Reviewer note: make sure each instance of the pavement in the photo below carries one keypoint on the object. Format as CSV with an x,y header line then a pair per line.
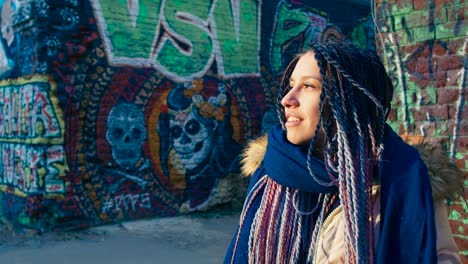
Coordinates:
x,y
190,239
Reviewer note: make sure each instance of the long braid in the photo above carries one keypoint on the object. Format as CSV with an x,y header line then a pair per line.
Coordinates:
x,y
317,227
337,111
284,228
363,187
272,236
259,243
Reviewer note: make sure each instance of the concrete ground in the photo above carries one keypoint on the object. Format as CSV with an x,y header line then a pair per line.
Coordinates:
x,y
185,239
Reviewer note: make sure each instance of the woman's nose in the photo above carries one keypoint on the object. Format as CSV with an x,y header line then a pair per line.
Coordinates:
x,y
290,99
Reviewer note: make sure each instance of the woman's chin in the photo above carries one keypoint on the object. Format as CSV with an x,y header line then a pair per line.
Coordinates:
x,y
298,140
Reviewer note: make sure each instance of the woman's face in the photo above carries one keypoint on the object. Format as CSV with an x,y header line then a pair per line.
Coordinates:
x,y
302,102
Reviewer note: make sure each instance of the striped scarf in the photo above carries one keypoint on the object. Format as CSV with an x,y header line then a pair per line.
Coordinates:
x,y
286,225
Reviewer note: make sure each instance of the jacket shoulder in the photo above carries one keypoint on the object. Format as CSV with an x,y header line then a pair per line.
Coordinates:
x,y
446,178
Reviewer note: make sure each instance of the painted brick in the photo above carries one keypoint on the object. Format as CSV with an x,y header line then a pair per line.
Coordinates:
x,y
452,110
447,96
422,65
438,3
422,34
426,17
426,128
413,97
444,128
420,4
402,7
428,95
392,115
449,62
461,163
455,46
415,64
439,112
450,125
441,79
452,29
383,10
398,37
456,13
399,22
396,102
420,114
409,49
463,127
465,109
439,50
436,79
462,143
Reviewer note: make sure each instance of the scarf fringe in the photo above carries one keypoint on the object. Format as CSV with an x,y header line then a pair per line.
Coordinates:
x,y
286,225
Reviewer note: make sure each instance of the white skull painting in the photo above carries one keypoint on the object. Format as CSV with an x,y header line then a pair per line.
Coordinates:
x,y
126,133
192,139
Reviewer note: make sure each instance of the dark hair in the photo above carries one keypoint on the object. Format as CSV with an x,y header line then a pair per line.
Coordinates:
x,y
355,103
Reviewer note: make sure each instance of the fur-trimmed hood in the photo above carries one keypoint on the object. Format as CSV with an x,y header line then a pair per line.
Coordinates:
x,y
446,178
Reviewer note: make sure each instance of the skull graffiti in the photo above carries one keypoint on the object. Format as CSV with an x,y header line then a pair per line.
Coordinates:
x,y
126,133
192,139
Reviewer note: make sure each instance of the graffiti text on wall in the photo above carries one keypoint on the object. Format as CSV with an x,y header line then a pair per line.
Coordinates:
x,y
31,138
297,25
180,44
127,202
292,23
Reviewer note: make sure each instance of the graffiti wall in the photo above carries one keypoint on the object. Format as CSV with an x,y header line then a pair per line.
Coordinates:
x,y
119,110
425,46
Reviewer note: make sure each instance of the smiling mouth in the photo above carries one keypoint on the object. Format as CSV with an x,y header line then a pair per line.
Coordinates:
x,y
292,121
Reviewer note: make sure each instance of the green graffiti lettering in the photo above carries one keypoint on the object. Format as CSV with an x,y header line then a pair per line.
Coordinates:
x,y
289,24
237,28
187,48
131,29
454,215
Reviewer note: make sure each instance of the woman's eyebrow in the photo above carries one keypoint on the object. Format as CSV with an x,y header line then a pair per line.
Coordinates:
x,y
313,76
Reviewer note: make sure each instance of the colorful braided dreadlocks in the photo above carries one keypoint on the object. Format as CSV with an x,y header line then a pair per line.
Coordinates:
x,y
355,102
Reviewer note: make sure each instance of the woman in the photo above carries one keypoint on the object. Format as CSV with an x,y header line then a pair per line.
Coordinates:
x,y
334,183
